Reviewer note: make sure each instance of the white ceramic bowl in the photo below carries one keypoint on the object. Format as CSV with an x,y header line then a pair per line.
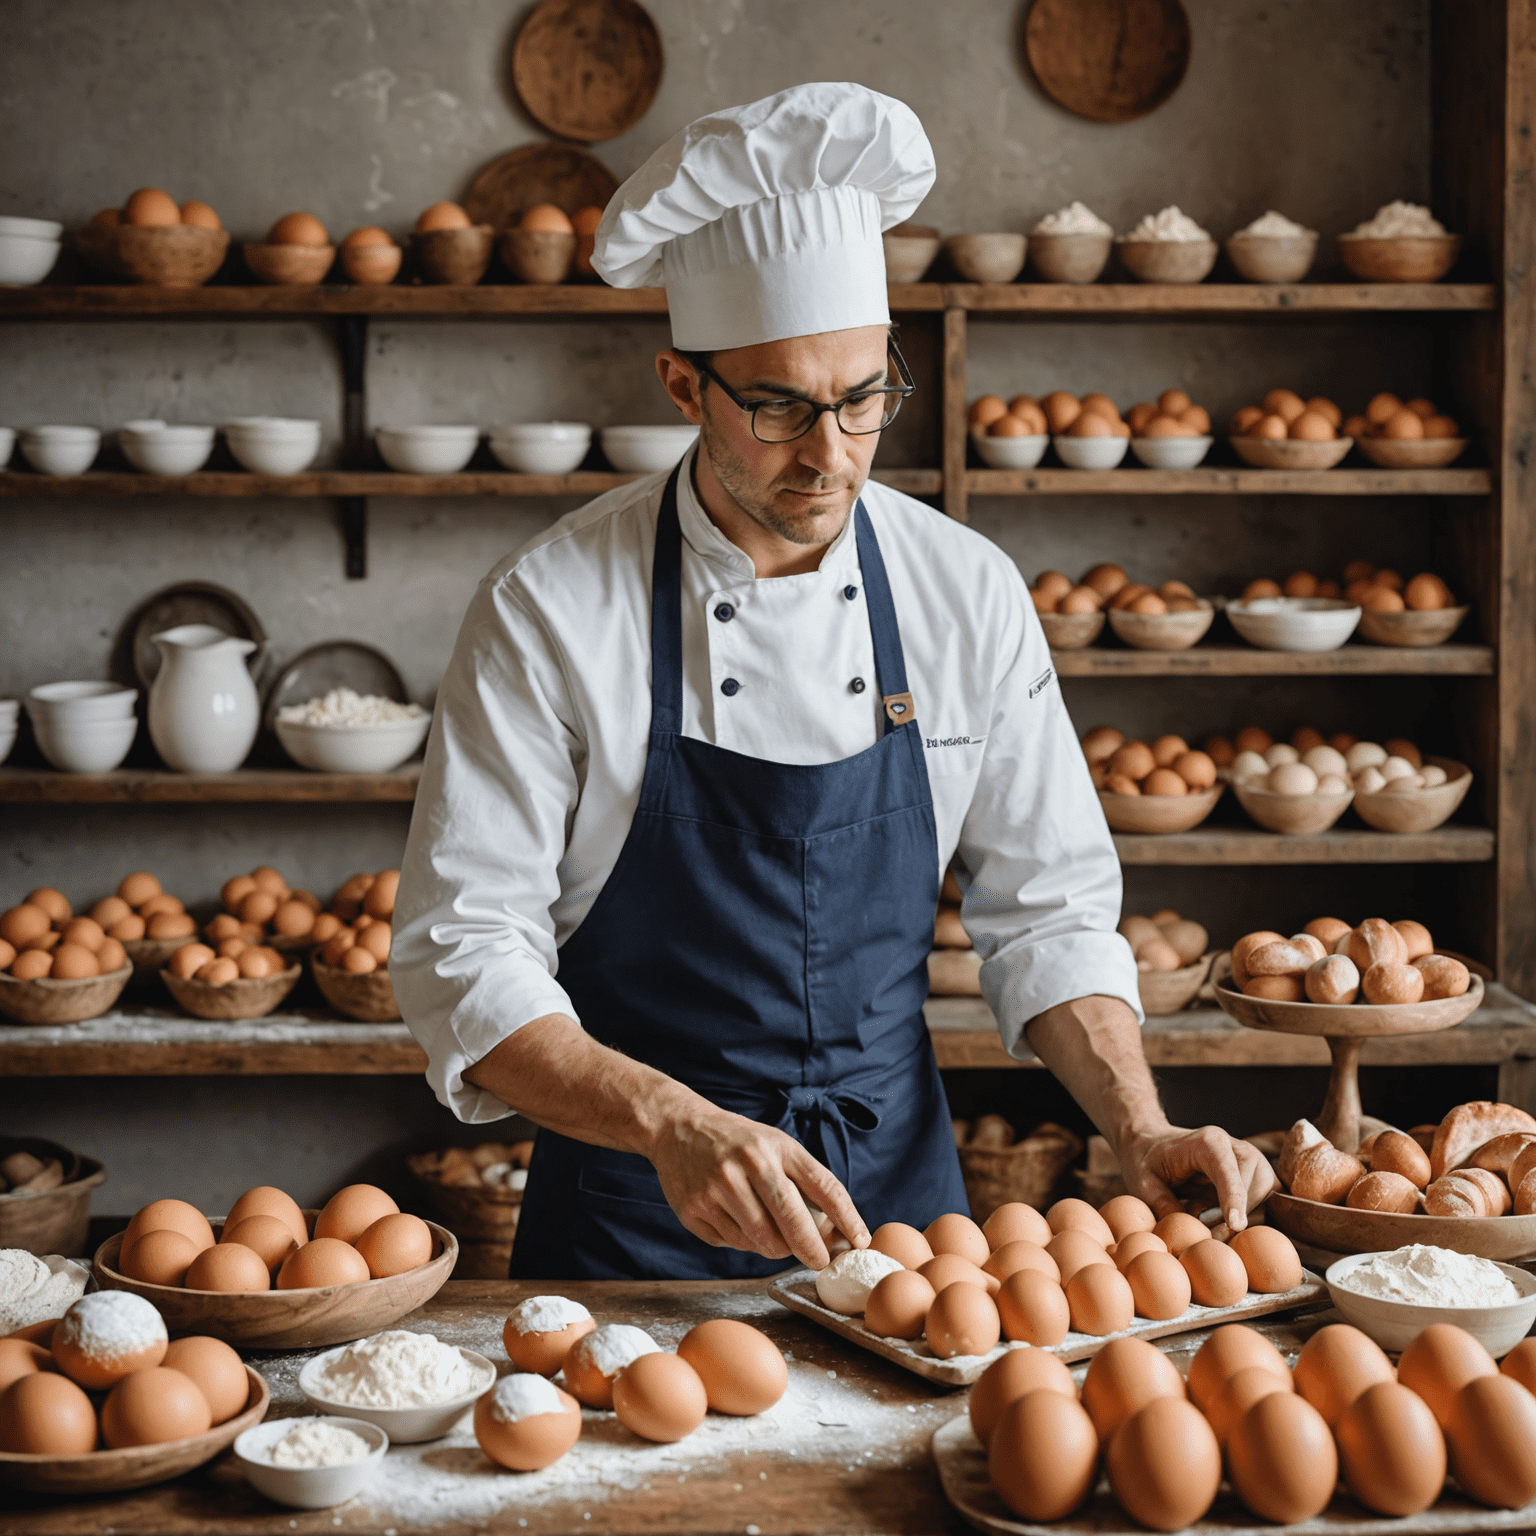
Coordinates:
x,y
1171,452
60,450
1396,1324
270,445
158,449
404,1426
38,229
353,748
84,746
541,447
81,701
1011,452
7,442
427,450
1091,452
1295,623
308,1487
645,450
26,258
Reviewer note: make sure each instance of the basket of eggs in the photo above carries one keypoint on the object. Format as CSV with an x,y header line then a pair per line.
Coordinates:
x,y
297,252
1165,618
1287,432
1419,611
1171,432
152,240
147,921
352,971
1009,434
56,968
1298,787
1172,960
1087,433
369,257
1416,434
1159,788
547,242
448,249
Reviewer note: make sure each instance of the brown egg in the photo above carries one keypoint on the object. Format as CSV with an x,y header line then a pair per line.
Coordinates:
x,y
74,962
395,1244
1014,1375
252,963
1491,1431
229,1267
1160,1285
1164,1464
1080,600
325,928
1012,1257
200,215
1164,782
548,219
986,409
1106,580
154,1407
375,940
526,1426
339,945
161,903
1281,1458
1126,1375
189,960
293,919
1033,1308
379,901
258,907
1239,1392
1230,1349
111,956
1100,403
1016,1222
170,925
1270,427
597,1357
171,1216
1169,426
235,891
359,961
1073,1248
1312,427
963,1320
1245,420
1382,600
1134,760
32,965
1270,1258
1441,426
1217,1276
105,1336
1133,1245
219,973
1179,1230
1100,1300
46,1415
7,954
1439,1363
1128,594
351,1211
1403,426
898,1305
660,1397
159,1258
1061,410
323,1261
54,903
269,1237
1126,1214
109,910
138,887
216,1371
743,1371
149,207
896,1240
1336,1365
1073,1215
1044,1455
21,1357
542,1349
1520,1364
1381,407
1140,414
298,229
369,237
1391,1450
1326,408
20,925
1426,592
1009,425
960,1236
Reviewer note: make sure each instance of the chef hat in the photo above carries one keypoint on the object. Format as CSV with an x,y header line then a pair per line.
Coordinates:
x,y
764,221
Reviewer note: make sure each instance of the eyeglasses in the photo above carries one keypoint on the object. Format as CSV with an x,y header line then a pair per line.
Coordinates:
x,y
858,415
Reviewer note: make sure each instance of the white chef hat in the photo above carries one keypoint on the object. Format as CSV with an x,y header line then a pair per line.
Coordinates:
x,y
764,221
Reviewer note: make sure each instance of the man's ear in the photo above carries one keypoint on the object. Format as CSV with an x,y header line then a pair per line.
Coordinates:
x,y
682,383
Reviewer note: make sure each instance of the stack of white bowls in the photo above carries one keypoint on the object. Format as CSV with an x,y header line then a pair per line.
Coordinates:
x,y
159,449
425,450
60,450
273,445
10,713
28,250
541,447
83,727
644,450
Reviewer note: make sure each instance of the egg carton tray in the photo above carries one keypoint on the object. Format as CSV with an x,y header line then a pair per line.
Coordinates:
x,y
797,1291
962,1464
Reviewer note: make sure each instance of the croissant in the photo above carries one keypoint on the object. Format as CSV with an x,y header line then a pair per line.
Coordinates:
x,y
1301,1136
1470,1126
1454,1195
1325,1174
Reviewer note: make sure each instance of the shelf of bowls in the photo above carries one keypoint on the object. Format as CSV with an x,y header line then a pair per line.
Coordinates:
x,y
1402,243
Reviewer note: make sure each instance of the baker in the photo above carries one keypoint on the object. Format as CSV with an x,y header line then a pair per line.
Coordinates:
x,y
706,747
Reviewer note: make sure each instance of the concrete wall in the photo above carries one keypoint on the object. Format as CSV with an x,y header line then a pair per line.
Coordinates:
x,y
364,111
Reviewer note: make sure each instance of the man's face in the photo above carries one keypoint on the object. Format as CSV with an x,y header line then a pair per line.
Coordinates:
x,y
803,490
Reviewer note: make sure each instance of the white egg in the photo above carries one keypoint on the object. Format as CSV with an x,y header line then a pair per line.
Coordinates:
x,y
1248,765
1281,752
1433,776
1404,784
1365,754
1398,768
1368,781
1324,760
1292,779
1332,784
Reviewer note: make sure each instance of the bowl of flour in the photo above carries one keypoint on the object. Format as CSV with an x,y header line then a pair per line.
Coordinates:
x,y
412,1385
344,731
311,1463
1395,1295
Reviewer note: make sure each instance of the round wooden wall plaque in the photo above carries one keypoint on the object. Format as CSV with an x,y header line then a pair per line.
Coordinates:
x,y
562,174
1110,60
587,69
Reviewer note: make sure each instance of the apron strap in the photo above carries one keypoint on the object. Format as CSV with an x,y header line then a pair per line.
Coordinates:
x,y
667,616
890,662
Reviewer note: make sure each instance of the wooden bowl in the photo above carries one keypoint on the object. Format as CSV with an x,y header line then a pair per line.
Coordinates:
x,y
1270,453
61,1002
1168,261
1340,1230
456,257
909,252
1426,626
1069,258
371,264
1162,631
251,997
307,1319
289,266
370,999
987,258
1425,453
138,1466
181,256
1424,809
1159,813
1165,992
1296,815
1072,631
151,956
1353,1021
538,255
56,1220
1402,259
1271,258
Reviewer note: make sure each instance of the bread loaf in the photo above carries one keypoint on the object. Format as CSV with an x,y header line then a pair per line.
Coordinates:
x,y
1443,977
1394,1152
1276,989
1301,1137
1325,1174
1244,947
1389,982
1498,1156
1384,1192
1495,1191
1333,979
1376,942
1455,1196
1470,1126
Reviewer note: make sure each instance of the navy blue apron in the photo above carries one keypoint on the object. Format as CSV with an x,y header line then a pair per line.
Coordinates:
x,y
764,939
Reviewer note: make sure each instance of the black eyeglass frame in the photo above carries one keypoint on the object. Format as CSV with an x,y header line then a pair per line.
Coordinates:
x,y
818,408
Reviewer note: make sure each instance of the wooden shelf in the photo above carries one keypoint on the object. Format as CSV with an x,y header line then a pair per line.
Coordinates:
x,y
159,786
1228,482
1245,845
1245,661
1081,301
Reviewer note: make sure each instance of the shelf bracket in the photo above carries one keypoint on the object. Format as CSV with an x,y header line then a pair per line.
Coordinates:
x,y
352,515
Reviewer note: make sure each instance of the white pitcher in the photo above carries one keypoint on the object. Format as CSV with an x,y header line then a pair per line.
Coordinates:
x,y
203,710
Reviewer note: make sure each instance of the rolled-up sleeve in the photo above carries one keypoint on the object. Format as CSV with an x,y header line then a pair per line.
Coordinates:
x,y
1043,893
473,955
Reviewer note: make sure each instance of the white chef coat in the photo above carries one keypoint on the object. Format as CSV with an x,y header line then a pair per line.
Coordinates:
x,y
538,748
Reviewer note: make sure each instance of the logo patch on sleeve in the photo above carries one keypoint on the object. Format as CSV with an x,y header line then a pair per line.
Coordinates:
x,y
1042,682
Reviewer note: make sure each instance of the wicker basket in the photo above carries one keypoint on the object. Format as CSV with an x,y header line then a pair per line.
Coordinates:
x,y
1029,1170
369,998
474,1212
56,1220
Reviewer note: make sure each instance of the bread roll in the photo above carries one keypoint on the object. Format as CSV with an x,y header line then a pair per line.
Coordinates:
x,y
1498,1156
1524,1162
1495,1190
1384,1192
1327,931
1468,1127
1455,1196
1287,958
1310,944
1325,1174
1243,947
1443,977
1301,1137
1389,982
1415,936
1276,989
1525,1195
1376,942
1395,1152
1333,979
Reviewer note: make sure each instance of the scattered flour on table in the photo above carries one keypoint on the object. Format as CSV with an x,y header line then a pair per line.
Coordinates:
x,y
1432,1277
106,1325
318,1443
398,1369
345,706
1275,226
1394,221
1075,219
1171,224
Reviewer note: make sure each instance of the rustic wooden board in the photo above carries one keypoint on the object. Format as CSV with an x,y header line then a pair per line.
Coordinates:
x,y
561,174
1207,481
159,786
1109,60
1087,299
797,1291
587,69
1245,661
1238,845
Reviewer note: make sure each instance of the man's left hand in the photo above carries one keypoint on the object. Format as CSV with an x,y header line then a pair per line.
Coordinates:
x,y
1153,1163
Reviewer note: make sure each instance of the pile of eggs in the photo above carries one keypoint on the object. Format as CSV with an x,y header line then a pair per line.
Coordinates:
x,y
526,1422
1032,1278
1165,941
1285,415
265,1243
150,208
1058,413
1331,962
1172,414
156,1390
1308,765
42,938
1286,1435
1168,766
1379,589
362,910
1411,421
1108,586
262,904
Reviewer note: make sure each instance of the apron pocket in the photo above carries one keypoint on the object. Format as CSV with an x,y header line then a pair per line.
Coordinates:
x,y
628,1178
